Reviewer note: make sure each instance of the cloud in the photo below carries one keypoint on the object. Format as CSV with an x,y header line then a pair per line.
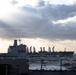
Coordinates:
x,y
40,3
66,31
13,2
36,22
54,12
58,12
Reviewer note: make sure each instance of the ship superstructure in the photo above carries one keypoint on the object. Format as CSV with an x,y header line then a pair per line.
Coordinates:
x,y
17,50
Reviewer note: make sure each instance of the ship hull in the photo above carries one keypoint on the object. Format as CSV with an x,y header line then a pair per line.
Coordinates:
x,y
52,54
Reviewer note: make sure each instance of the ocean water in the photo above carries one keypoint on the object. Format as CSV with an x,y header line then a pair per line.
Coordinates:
x,y
53,63
47,67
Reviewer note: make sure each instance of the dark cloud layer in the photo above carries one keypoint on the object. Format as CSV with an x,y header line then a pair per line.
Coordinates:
x,y
36,22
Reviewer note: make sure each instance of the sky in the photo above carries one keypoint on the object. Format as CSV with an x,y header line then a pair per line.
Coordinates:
x,y
39,23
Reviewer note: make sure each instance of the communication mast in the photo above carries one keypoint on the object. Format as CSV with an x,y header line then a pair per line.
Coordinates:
x,y
43,65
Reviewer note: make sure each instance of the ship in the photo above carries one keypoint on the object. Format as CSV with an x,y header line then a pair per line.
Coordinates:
x,y
14,63
22,49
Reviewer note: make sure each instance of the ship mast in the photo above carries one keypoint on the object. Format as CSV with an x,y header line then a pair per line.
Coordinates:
x,y
19,42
